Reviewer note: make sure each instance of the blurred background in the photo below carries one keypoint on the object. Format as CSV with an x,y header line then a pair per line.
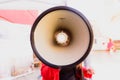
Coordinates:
x,y
17,60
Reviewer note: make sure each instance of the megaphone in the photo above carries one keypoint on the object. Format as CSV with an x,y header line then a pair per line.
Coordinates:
x,y
61,37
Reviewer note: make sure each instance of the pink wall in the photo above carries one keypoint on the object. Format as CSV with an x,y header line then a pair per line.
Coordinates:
x,y
19,16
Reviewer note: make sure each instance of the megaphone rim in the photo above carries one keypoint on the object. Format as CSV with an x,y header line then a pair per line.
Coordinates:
x,y
54,9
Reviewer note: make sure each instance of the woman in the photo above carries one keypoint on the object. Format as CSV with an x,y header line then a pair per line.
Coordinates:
x,y
74,73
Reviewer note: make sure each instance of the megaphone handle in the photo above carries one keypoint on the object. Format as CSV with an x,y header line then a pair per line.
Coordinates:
x,y
67,73
72,73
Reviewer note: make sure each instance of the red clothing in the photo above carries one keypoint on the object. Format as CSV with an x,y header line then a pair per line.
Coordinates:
x,y
86,74
49,73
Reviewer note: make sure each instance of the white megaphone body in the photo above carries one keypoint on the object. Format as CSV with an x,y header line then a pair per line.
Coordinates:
x,y
61,37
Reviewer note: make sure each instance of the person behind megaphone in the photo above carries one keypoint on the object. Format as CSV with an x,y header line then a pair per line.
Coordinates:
x,y
74,73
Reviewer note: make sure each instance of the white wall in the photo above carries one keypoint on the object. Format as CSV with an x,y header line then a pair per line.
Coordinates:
x,y
15,48
102,13
30,4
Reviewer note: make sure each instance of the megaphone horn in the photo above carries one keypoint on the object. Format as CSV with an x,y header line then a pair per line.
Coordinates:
x,y
61,37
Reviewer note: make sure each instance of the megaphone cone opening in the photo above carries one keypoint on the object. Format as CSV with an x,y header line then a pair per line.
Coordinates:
x,y
62,37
